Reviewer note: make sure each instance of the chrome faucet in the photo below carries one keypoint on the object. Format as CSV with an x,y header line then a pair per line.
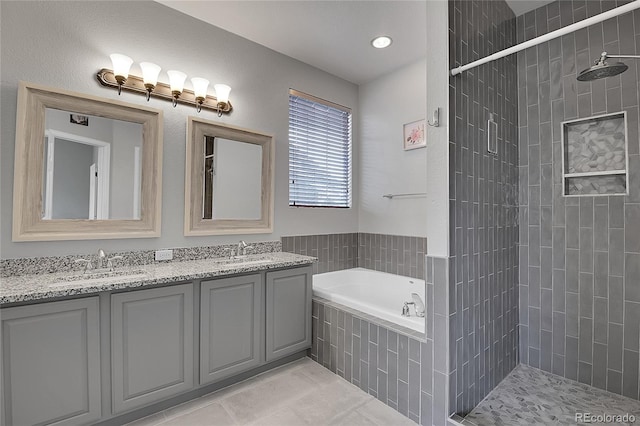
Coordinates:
x,y
418,304
110,262
87,265
405,309
101,257
242,248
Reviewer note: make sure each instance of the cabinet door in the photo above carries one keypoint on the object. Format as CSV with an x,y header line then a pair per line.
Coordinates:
x,y
51,363
230,326
151,344
288,312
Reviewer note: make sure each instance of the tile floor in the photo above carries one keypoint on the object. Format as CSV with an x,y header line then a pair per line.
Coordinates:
x,y
300,393
529,396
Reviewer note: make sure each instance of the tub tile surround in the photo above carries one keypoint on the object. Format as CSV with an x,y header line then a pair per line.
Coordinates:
x,y
404,369
54,264
579,280
400,255
483,283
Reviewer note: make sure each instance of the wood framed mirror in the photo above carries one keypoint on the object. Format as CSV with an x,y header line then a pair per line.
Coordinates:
x,y
228,180
85,167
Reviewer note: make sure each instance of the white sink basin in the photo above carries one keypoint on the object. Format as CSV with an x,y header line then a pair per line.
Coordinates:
x,y
87,280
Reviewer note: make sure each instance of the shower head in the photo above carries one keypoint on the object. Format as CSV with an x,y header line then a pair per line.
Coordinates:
x,y
603,69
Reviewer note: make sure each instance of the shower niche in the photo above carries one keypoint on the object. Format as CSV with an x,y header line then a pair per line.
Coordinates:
x,y
595,160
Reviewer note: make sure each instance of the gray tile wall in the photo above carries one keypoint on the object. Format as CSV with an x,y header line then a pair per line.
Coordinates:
x,y
483,282
401,255
579,257
406,371
392,253
334,251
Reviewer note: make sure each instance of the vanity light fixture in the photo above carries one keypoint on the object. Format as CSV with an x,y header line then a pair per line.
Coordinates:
x,y
222,93
149,76
121,67
120,79
200,86
381,42
176,81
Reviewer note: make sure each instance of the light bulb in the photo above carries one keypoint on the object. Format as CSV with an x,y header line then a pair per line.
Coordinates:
x,y
150,73
222,94
199,90
381,42
149,76
200,86
176,81
121,67
121,64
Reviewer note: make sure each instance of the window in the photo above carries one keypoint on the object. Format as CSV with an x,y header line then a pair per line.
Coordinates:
x,y
319,152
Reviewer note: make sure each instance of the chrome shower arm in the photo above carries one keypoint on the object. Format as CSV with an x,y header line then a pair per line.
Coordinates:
x,y
623,56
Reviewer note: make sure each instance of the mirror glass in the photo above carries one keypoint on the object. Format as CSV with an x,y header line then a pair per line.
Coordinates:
x,y
228,180
232,179
92,167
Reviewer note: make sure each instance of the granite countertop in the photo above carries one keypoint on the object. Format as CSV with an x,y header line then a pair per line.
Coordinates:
x,y
15,289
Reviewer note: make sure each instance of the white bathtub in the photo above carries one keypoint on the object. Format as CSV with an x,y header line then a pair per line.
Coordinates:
x,y
376,293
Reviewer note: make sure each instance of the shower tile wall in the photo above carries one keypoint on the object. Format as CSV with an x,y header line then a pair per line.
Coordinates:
x,y
579,257
403,370
387,253
483,280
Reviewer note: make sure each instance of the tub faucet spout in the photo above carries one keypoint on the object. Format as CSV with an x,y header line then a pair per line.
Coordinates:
x,y
405,309
417,304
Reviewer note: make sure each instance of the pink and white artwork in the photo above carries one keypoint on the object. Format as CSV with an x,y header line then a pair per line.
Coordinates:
x,y
414,135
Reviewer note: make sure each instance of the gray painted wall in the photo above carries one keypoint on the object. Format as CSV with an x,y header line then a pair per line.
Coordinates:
x,y
74,40
579,257
483,270
385,167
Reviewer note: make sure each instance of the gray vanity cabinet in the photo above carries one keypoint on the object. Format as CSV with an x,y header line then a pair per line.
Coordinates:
x,y
288,309
51,363
230,326
151,345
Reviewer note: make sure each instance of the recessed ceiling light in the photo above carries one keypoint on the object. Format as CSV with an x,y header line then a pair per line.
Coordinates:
x,y
381,42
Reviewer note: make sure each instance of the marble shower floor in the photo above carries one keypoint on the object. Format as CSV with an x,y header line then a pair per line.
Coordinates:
x,y
528,396
296,394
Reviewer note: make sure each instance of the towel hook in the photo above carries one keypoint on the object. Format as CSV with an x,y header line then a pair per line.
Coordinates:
x,y
436,118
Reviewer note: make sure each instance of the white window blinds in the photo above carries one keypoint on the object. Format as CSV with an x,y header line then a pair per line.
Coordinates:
x,y
319,152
